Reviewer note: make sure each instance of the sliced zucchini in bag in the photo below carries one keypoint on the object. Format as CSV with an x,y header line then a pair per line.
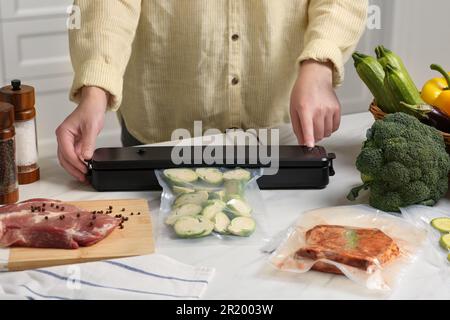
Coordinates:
x,y
198,197
242,226
217,195
182,190
239,208
188,209
441,224
237,174
212,208
234,187
221,223
210,175
180,176
193,227
445,241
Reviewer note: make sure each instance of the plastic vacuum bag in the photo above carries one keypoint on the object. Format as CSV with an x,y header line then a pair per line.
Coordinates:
x,y
409,238
421,216
211,206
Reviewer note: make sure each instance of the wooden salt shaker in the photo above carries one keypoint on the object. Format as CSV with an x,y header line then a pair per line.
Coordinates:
x,y
22,97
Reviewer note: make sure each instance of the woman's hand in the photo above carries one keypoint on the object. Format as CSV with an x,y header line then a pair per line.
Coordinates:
x,y
77,134
315,109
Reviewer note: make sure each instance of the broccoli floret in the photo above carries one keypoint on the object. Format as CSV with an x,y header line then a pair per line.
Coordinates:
x,y
404,162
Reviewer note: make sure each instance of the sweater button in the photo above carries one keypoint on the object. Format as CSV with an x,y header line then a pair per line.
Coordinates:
x,y
235,37
235,81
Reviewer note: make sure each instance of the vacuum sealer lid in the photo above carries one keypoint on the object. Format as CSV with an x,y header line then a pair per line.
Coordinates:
x,y
160,157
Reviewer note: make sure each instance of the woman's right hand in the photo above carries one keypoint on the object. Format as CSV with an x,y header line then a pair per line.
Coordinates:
x,y
77,134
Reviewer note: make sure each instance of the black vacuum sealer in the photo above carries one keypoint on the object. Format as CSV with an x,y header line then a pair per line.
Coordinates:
x,y
132,169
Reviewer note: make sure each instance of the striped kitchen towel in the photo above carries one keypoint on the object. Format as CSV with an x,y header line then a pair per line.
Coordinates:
x,y
153,277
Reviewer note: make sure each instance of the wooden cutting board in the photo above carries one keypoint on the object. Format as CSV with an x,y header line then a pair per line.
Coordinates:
x,y
136,238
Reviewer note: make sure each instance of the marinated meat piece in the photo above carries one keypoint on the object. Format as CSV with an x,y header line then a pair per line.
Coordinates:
x,y
357,247
44,223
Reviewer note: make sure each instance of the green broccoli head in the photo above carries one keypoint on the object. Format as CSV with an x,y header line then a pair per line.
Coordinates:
x,y
406,161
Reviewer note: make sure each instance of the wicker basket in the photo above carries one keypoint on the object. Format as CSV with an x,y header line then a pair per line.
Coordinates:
x,y
379,114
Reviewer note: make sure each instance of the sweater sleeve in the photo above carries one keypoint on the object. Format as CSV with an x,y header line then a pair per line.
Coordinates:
x,y
333,32
101,48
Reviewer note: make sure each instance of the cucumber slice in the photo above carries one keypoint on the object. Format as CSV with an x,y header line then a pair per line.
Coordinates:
x,y
188,209
217,195
180,176
182,190
239,208
441,224
210,175
445,241
198,197
212,208
237,174
193,227
242,226
221,223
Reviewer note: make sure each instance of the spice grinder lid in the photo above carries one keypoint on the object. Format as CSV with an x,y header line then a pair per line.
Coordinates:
x,y
6,116
22,97
6,120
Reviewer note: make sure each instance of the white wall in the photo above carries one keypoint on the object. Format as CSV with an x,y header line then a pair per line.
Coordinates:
x,y
34,48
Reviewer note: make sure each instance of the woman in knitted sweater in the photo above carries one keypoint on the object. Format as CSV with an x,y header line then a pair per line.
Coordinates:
x,y
229,63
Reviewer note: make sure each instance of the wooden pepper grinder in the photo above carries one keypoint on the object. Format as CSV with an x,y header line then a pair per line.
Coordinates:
x,y
9,192
22,97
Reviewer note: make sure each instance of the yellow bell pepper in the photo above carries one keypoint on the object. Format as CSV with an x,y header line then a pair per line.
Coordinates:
x,y
436,92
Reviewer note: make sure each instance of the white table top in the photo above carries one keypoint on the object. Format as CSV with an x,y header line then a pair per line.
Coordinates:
x,y
242,271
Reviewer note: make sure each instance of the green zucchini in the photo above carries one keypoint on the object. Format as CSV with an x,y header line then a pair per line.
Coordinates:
x,y
242,226
182,190
188,209
180,177
402,90
387,57
217,195
441,224
239,208
372,74
221,223
444,241
237,174
210,175
193,227
212,208
198,197
234,187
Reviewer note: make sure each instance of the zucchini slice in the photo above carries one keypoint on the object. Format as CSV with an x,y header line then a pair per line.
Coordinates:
x,y
193,227
217,195
210,175
242,226
180,176
198,197
441,224
212,208
182,190
239,208
234,187
237,174
221,223
188,209
445,241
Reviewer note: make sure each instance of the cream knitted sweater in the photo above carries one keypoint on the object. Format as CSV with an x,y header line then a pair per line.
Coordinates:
x,y
228,63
